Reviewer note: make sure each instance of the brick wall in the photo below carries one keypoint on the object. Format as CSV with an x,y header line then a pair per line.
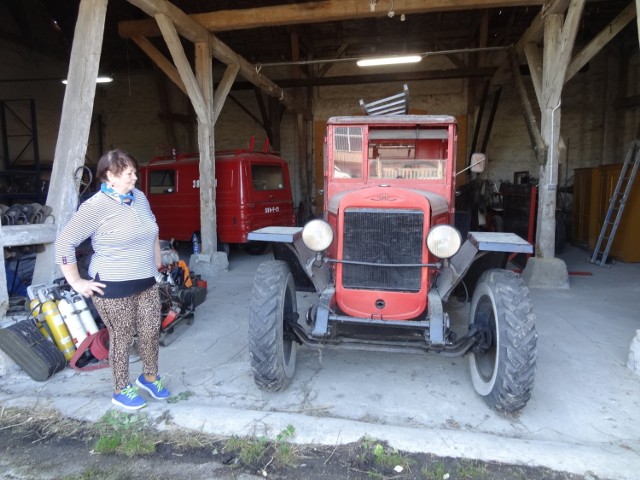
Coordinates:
x,y
594,131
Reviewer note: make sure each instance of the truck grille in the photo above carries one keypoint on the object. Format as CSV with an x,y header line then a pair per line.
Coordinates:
x,y
382,236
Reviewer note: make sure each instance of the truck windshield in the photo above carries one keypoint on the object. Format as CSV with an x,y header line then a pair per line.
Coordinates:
x,y
347,153
407,153
267,177
162,181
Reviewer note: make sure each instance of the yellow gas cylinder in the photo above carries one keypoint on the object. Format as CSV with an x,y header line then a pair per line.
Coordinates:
x,y
36,313
58,329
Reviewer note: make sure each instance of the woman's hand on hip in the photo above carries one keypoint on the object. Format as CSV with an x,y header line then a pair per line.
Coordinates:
x,y
88,287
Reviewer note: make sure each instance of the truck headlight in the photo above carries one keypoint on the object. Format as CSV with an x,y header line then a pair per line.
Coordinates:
x,y
317,235
444,241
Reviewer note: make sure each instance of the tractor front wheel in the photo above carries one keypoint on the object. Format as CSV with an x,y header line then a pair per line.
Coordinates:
x,y
503,365
272,344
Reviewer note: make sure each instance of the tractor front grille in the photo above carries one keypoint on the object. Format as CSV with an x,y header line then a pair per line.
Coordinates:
x,y
383,237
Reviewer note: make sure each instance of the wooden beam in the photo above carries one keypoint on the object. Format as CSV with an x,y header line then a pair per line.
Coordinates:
x,y
638,19
599,41
563,51
161,61
532,34
559,39
21,235
75,124
478,122
552,7
315,12
206,147
534,60
224,87
193,31
492,116
529,117
189,29
184,67
384,77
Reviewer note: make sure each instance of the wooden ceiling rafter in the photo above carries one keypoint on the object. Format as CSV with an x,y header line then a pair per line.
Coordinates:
x,y
315,12
186,27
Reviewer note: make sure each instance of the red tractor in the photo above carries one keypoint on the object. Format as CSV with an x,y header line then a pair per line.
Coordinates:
x,y
388,262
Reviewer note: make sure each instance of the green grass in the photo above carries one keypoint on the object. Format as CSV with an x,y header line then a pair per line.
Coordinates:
x,y
123,433
437,471
260,452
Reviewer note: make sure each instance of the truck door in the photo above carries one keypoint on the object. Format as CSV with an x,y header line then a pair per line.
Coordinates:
x,y
174,196
271,195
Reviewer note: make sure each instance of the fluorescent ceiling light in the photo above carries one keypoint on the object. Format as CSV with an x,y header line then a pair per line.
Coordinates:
x,y
371,62
102,79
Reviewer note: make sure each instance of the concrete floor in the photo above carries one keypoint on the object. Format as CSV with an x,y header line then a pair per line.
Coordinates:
x,y
583,417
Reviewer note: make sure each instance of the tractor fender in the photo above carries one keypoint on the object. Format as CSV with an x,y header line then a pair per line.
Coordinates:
x,y
309,272
480,252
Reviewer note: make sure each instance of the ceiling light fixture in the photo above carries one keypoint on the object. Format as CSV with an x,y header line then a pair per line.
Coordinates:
x,y
394,60
101,79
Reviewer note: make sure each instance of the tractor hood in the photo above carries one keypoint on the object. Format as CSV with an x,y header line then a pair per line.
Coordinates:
x,y
389,196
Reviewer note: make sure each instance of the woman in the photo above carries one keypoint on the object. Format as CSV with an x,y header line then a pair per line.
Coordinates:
x,y
124,236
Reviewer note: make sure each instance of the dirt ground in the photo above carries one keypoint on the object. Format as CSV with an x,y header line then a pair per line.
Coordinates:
x,y
38,450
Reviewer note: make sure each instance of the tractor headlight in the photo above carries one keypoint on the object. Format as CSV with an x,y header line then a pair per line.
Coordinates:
x,y
444,241
317,235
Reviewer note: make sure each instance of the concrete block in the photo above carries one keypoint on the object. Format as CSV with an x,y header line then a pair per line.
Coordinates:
x,y
633,360
209,265
546,273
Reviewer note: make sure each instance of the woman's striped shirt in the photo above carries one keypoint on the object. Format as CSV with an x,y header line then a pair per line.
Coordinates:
x,y
122,236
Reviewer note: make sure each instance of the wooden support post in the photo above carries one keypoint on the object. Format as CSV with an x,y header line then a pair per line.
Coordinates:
x,y
75,123
559,38
638,19
206,147
304,163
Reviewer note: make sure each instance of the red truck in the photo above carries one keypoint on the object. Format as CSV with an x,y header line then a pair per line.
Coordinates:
x,y
253,190
389,265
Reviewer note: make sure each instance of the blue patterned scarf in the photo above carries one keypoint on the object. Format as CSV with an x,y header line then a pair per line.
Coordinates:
x,y
123,199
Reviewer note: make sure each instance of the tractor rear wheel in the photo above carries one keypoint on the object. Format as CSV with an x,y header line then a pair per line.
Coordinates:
x,y
503,365
272,344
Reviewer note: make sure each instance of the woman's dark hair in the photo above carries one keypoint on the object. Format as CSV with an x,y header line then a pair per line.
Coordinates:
x,y
114,161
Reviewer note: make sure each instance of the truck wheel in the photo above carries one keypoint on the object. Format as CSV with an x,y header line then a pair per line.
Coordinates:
x,y
272,346
222,247
256,248
503,366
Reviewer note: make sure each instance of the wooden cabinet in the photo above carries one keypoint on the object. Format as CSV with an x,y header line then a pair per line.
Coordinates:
x,y
592,191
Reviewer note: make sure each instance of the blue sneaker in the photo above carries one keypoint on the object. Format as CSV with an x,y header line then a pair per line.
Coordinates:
x,y
156,389
128,398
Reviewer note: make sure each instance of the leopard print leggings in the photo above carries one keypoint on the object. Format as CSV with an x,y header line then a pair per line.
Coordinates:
x,y
124,317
